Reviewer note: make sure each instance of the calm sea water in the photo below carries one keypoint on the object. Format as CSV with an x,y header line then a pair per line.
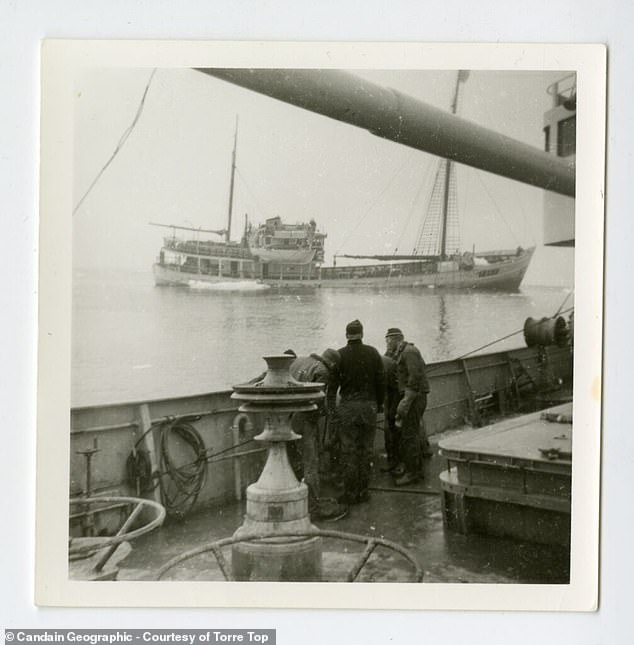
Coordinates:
x,y
133,341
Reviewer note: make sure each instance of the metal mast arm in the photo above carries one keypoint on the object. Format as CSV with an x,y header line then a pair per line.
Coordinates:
x,y
233,174
445,207
406,120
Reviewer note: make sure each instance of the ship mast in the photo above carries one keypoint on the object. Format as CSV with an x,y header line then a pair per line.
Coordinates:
x,y
233,174
462,77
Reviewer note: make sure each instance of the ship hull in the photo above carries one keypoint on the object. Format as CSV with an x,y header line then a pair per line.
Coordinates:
x,y
505,275
166,276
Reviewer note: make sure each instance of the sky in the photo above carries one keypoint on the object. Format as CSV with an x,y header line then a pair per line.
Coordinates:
x,y
366,193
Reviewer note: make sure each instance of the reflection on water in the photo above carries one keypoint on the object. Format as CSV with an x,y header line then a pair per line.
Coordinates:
x,y
132,340
443,340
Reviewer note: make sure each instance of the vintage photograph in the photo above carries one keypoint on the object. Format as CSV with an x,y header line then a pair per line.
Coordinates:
x,y
322,324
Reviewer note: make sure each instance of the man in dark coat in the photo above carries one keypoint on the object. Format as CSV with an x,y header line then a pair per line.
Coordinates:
x,y
413,389
304,454
392,434
361,388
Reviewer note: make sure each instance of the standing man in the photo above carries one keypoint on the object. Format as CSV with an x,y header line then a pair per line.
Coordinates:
x,y
413,388
304,456
392,434
362,391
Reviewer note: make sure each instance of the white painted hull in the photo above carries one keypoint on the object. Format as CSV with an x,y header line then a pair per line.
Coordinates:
x,y
502,275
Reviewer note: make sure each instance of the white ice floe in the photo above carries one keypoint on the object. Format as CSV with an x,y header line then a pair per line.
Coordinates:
x,y
242,285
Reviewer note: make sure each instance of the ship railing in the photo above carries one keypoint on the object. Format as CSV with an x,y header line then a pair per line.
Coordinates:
x,y
564,90
192,270
377,271
211,249
475,388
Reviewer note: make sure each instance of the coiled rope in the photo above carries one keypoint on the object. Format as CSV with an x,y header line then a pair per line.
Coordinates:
x,y
180,484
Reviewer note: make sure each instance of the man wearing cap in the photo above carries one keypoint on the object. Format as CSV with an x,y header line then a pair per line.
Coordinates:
x,y
304,454
361,387
413,388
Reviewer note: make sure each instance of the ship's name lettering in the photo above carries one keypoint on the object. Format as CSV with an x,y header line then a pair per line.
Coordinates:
x,y
487,272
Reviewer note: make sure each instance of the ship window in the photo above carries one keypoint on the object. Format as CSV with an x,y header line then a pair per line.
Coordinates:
x,y
566,137
547,138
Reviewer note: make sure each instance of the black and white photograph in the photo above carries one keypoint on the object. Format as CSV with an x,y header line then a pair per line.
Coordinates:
x,y
313,314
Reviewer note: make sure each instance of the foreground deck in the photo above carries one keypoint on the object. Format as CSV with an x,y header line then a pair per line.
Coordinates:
x,y
410,516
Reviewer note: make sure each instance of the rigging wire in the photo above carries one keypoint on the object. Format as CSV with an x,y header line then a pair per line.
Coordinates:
x,y
465,200
428,236
124,137
424,226
251,192
498,340
372,205
478,175
563,303
530,231
414,201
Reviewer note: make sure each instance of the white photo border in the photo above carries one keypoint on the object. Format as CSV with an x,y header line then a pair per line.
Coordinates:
x,y
61,60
